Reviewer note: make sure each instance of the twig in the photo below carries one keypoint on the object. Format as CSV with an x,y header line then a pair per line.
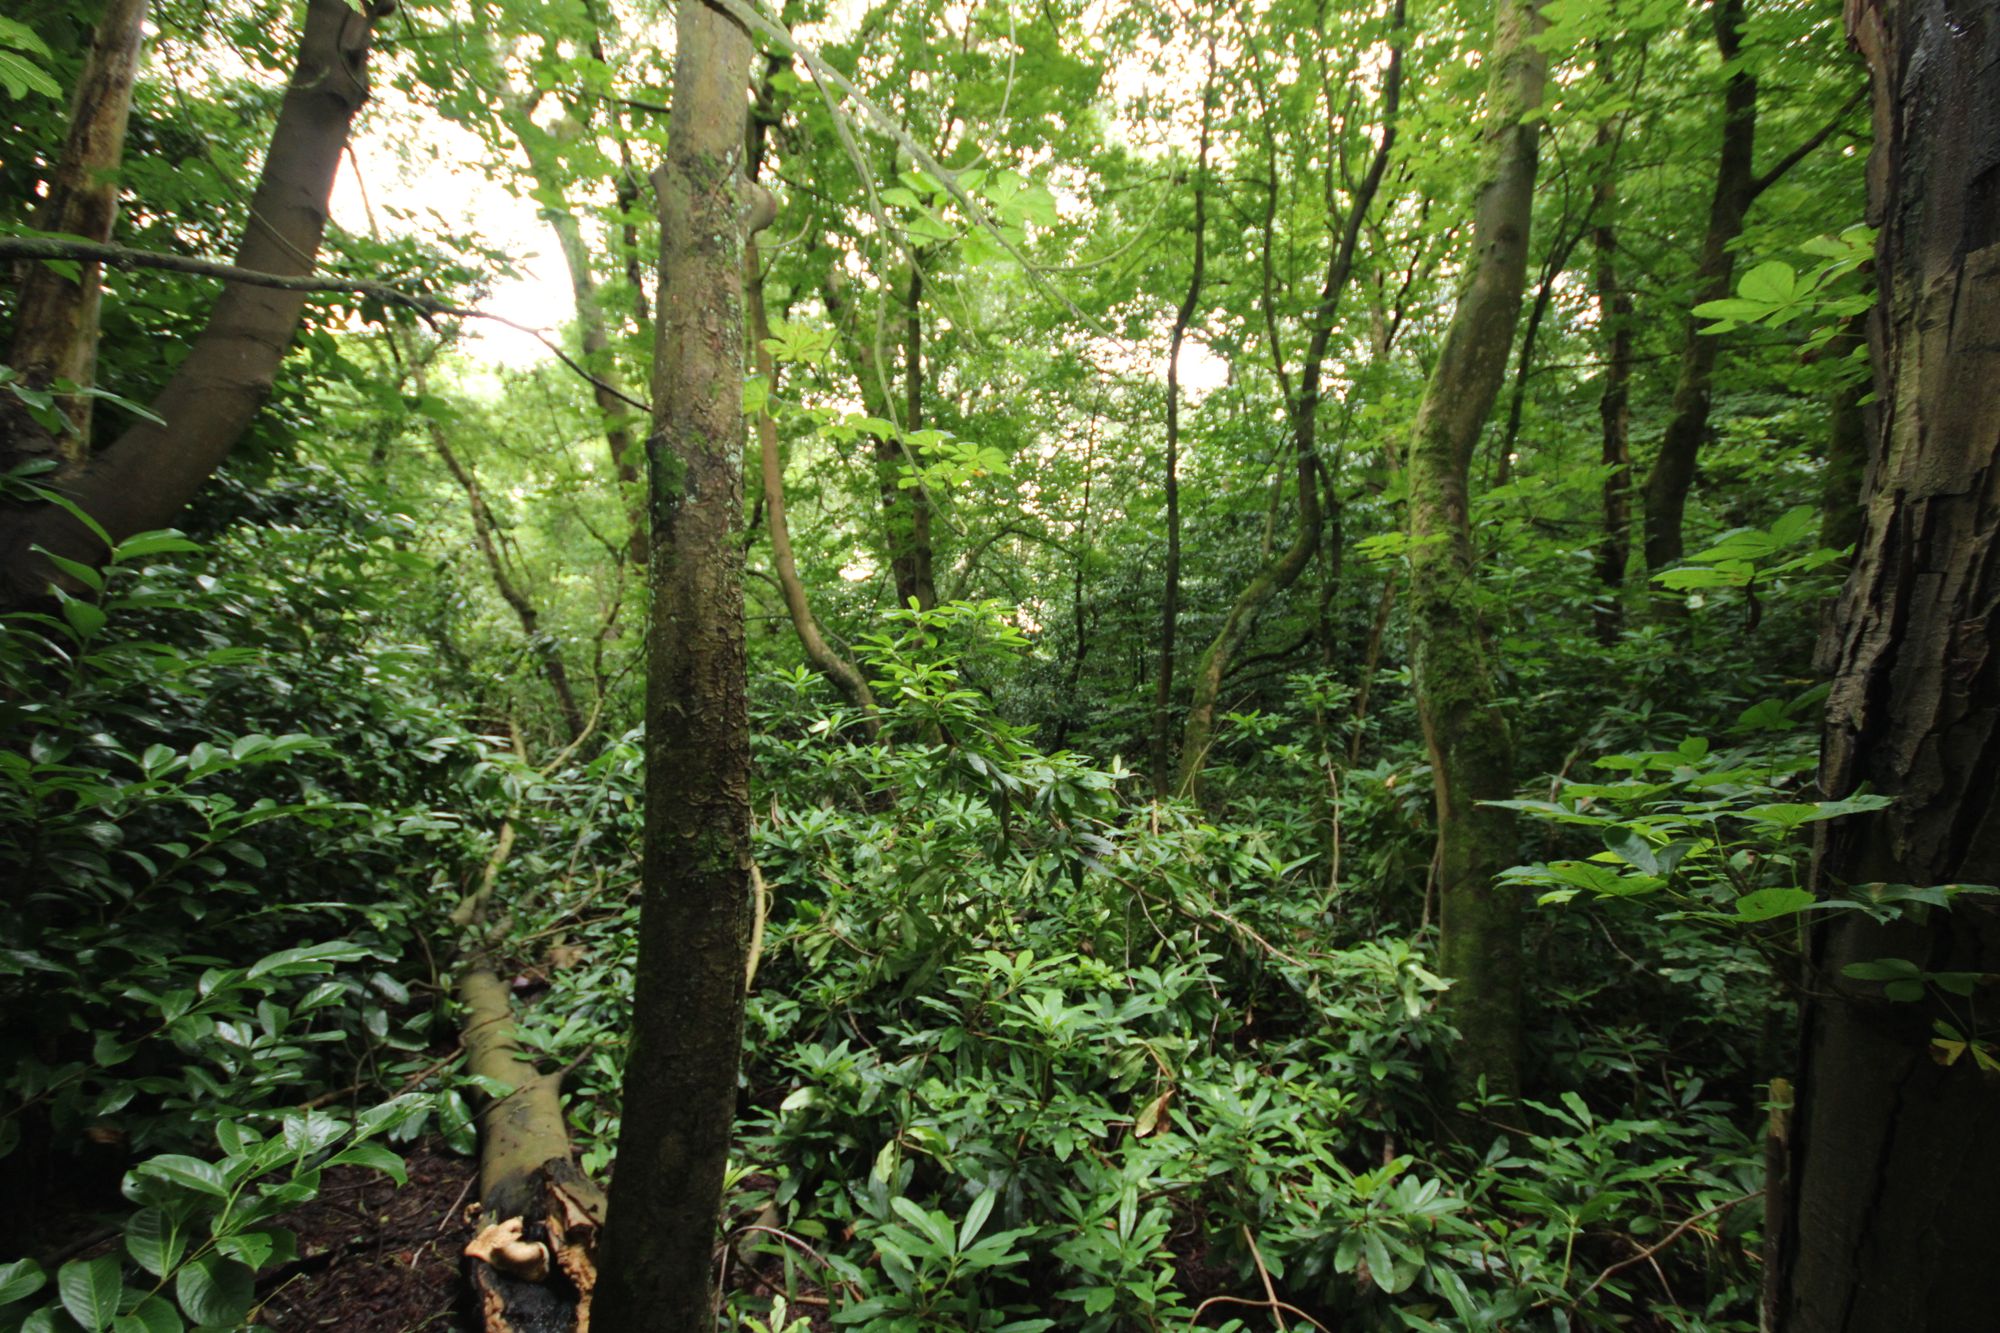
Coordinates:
x,y
1665,1241
1270,1301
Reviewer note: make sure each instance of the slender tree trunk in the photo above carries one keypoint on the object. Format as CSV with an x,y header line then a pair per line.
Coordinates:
x,y
1170,596
144,478
914,577
679,1094
543,646
1472,752
1614,400
1894,1187
906,510
1667,485
1558,261
846,677
593,331
55,317
1282,571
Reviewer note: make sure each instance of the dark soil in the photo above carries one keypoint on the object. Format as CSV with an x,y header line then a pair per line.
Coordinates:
x,y
374,1258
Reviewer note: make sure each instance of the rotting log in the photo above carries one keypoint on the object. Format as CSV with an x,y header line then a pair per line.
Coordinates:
x,y
534,1264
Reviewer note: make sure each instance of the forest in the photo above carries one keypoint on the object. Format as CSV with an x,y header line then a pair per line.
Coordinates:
x,y
1090,665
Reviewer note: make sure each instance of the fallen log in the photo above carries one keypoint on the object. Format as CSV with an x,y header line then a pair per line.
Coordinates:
x,y
534,1263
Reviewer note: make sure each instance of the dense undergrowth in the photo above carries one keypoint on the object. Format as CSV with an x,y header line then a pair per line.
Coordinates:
x,y
1026,1048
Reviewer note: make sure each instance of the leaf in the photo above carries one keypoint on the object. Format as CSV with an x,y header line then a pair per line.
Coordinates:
x,y
1148,1120
22,78
188,1172
1772,283
155,1314
20,1280
153,1241
975,1218
1769,904
90,1289
307,960
215,1290
375,1157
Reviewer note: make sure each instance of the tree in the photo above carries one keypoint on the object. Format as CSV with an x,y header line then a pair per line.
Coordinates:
x,y
55,315
144,477
1894,1158
1471,750
679,1093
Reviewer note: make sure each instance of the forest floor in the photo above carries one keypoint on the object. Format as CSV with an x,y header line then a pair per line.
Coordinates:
x,y
375,1258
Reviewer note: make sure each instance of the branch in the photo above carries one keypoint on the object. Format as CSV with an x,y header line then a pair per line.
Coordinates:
x,y
124,257
1799,154
1666,1240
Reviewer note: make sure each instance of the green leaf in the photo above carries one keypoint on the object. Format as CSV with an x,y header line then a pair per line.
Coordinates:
x,y
1768,904
22,78
975,1218
375,1157
1772,283
90,1289
20,1280
188,1172
305,961
154,1241
215,1290
155,1314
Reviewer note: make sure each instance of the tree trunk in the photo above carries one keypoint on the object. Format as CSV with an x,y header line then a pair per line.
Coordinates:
x,y
1614,400
846,677
1302,409
144,479
1672,474
1846,449
1472,753
593,332
55,318
1894,1188
1170,596
679,1092
543,646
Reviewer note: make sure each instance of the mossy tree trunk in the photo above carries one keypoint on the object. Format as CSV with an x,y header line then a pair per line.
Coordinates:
x,y
1471,750
679,1093
1891,1198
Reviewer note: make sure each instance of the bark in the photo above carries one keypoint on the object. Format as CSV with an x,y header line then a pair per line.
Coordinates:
x,y
1280,572
680,1080
145,477
55,317
1170,596
1846,450
1614,400
593,330
1471,750
1667,484
846,677
1892,1208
